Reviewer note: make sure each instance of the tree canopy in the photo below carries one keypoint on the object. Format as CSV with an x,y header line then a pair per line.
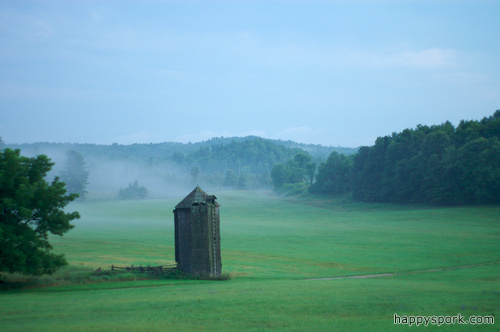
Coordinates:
x,y
334,176
250,158
300,169
440,165
30,209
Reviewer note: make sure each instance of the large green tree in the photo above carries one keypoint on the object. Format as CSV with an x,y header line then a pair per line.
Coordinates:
x,y
334,175
30,209
297,170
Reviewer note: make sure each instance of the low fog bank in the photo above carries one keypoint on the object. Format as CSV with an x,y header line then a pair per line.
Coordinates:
x,y
107,177
110,176
171,169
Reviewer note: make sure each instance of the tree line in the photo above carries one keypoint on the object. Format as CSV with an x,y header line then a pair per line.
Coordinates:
x,y
233,163
439,164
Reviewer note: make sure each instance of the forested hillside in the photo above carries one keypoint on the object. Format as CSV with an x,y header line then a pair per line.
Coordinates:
x,y
240,162
439,164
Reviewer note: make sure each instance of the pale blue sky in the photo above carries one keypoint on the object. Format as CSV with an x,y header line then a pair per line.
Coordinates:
x,y
324,72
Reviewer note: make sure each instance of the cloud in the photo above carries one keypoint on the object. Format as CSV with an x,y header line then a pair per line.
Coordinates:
x,y
42,29
259,133
299,134
140,137
208,134
96,16
380,58
433,57
332,56
199,137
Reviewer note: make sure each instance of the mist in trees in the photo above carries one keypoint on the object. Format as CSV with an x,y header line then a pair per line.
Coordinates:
x,y
165,168
75,173
133,191
195,173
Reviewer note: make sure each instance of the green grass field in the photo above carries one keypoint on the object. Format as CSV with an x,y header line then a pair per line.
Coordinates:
x,y
270,247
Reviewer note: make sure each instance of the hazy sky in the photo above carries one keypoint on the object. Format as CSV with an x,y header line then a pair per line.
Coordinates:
x,y
325,72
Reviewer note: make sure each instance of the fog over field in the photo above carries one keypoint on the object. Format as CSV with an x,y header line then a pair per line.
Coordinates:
x,y
166,169
111,176
108,176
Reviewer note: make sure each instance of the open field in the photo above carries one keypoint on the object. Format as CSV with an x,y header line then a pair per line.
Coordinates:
x,y
270,247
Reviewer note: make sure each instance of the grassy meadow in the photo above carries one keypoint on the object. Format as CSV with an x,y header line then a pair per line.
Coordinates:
x,y
272,247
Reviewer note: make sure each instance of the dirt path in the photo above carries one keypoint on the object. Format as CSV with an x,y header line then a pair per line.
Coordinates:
x,y
397,274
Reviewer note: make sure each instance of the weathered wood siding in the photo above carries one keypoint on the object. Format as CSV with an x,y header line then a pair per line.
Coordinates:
x,y
183,239
197,236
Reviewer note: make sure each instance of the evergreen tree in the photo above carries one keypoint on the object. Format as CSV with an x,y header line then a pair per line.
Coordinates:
x,y
75,173
195,172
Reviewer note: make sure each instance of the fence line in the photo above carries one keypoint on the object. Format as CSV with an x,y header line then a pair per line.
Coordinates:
x,y
154,270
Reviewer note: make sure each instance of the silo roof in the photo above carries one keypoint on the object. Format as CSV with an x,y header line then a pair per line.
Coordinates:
x,y
197,196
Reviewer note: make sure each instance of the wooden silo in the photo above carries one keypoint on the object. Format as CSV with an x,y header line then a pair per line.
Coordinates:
x,y
197,234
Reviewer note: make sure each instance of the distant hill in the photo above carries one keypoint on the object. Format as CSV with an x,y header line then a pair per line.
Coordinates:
x,y
315,150
154,149
250,159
